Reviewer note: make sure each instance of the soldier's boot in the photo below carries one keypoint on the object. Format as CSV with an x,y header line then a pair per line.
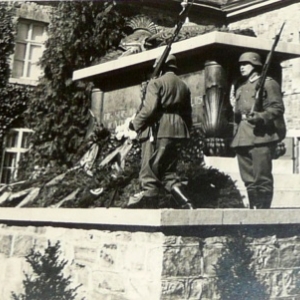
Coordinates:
x,y
140,200
180,198
253,198
265,199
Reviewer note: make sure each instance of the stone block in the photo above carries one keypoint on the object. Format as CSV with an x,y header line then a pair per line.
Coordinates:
x,y
210,259
154,261
108,282
173,289
123,237
13,273
135,257
182,261
146,237
22,245
169,240
196,288
266,257
209,290
189,240
290,256
139,287
5,244
284,284
85,254
107,256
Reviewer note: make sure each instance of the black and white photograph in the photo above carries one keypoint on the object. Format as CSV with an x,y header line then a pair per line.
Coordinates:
x,y
150,150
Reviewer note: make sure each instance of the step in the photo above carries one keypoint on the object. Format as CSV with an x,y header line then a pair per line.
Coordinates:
x,y
281,181
281,199
286,184
230,164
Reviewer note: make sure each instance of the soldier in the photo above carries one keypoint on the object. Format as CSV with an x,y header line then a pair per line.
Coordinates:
x,y
163,123
257,132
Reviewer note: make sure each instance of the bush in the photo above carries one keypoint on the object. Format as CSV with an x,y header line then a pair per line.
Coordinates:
x,y
47,281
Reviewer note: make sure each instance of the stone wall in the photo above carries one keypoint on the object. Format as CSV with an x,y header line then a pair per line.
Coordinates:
x,y
266,25
109,264
164,262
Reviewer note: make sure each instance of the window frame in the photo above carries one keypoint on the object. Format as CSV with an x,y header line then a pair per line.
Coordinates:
x,y
17,149
29,44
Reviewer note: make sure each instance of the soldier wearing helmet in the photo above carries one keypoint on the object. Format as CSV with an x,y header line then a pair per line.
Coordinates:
x,y
257,135
166,112
251,57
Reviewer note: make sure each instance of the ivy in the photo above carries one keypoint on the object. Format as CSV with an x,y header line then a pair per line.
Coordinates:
x,y
80,32
13,97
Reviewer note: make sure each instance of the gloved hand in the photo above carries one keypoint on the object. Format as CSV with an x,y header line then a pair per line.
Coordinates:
x,y
132,135
125,130
255,118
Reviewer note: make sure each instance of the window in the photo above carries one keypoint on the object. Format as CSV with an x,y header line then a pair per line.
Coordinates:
x,y
28,49
16,144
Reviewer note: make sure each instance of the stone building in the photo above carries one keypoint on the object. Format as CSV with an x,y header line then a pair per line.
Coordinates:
x,y
173,254
31,27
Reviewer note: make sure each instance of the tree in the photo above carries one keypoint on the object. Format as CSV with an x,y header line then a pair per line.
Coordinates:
x,y
236,276
47,281
80,32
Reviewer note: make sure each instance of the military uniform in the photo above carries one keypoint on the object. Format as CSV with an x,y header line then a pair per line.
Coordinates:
x,y
255,143
166,114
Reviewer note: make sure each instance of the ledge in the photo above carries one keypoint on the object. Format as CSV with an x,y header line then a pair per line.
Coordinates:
x,y
26,81
228,42
158,218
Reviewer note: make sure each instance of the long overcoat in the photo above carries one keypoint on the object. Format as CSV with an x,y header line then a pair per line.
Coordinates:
x,y
167,107
272,128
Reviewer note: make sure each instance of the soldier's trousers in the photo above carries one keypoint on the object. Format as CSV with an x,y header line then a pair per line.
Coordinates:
x,y
255,164
158,166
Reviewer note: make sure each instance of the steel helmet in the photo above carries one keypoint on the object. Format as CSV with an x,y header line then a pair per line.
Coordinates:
x,y
170,61
251,57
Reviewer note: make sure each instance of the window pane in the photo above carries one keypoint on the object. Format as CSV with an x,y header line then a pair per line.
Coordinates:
x,y
10,159
12,139
37,33
26,140
35,53
34,71
17,70
22,31
20,51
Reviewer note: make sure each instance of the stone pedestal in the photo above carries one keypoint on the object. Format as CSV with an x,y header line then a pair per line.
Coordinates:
x,y
119,254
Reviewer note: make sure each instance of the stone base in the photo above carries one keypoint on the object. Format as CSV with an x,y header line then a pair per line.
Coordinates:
x,y
119,254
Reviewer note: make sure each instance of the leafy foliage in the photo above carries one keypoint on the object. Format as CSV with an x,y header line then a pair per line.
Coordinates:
x,y
207,188
7,31
236,277
13,97
47,281
79,33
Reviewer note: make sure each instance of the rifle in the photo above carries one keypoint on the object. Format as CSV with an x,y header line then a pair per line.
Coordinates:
x,y
160,64
181,19
258,104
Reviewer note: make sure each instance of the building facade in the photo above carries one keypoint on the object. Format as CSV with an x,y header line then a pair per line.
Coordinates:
x,y
31,21
263,18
